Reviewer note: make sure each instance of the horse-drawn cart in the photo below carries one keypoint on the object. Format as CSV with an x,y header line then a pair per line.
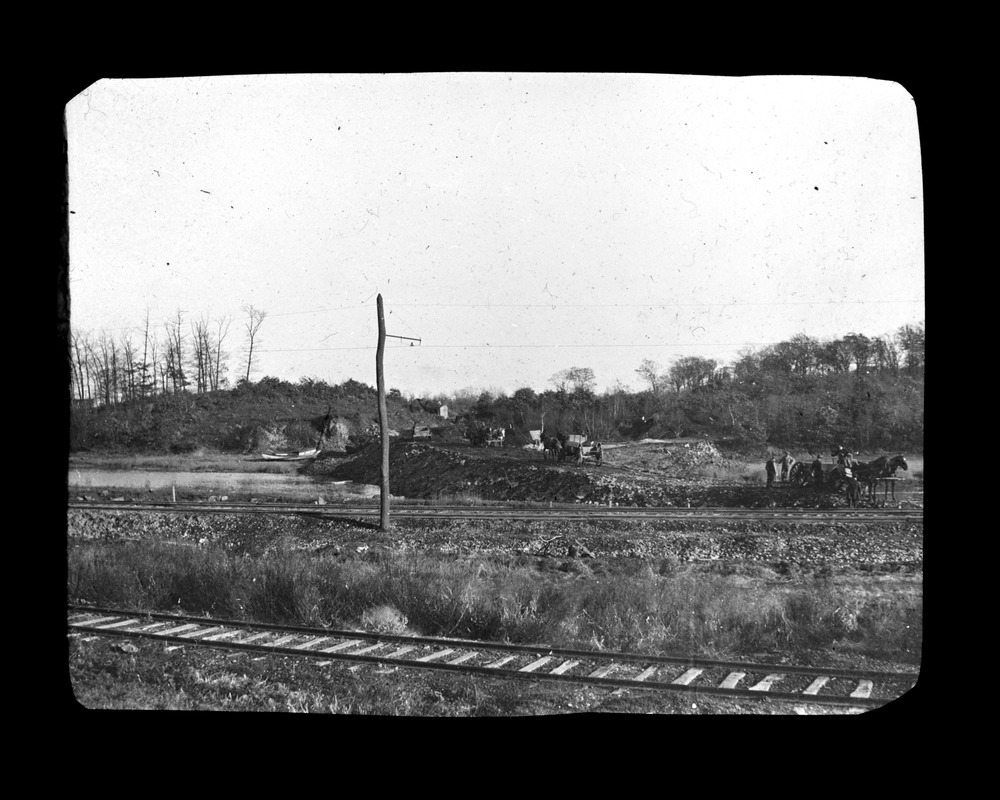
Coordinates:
x,y
573,448
596,452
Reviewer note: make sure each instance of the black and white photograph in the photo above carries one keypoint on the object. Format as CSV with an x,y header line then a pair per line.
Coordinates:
x,y
494,394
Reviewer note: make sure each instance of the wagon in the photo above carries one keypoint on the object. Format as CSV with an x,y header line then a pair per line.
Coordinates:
x,y
573,448
596,452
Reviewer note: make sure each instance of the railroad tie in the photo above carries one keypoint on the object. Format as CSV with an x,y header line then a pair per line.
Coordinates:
x,y
401,651
646,673
688,676
254,638
437,655
463,659
341,646
536,664
501,662
202,632
219,636
566,666
282,640
864,689
121,624
311,642
765,685
368,649
732,679
816,685
603,672
175,631
93,622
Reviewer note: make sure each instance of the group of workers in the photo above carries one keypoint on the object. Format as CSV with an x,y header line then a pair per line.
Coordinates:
x,y
845,460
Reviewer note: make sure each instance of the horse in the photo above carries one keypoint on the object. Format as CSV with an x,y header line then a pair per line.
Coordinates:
x,y
551,448
881,468
853,492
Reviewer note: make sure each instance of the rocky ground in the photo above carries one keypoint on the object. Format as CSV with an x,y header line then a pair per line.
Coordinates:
x,y
770,542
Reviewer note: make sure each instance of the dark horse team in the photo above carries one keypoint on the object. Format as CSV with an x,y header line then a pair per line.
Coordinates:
x,y
847,471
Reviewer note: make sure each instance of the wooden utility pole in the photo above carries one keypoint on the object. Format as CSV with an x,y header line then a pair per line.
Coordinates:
x,y
383,418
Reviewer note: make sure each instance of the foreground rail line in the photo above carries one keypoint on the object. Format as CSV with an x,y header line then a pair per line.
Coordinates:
x,y
823,686
567,512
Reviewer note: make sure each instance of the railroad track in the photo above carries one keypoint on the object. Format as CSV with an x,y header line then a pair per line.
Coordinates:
x,y
702,677
578,512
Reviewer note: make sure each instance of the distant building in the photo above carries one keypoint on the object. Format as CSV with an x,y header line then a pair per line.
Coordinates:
x,y
443,412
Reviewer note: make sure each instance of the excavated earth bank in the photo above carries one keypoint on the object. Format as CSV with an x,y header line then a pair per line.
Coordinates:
x,y
644,477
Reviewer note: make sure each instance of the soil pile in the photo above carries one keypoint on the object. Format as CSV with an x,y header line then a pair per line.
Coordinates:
x,y
431,472
670,460
434,472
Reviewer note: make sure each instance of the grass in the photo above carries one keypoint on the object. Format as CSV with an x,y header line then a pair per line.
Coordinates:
x,y
638,605
199,461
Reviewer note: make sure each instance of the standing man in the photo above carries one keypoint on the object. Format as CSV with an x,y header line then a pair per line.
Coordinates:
x,y
786,465
769,467
817,472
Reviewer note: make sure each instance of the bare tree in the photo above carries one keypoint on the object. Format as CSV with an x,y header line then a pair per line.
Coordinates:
x,y
222,330
147,383
253,325
129,366
174,356
80,355
202,354
650,371
105,356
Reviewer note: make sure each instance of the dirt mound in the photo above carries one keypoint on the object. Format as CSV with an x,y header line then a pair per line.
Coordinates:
x,y
673,459
427,471
433,472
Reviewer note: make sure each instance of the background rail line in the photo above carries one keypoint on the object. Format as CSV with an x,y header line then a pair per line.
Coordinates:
x,y
707,677
348,510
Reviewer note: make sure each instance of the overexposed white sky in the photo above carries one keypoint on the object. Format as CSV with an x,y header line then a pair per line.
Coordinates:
x,y
518,224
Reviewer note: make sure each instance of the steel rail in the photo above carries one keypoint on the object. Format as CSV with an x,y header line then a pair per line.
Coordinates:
x,y
566,513
119,629
503,506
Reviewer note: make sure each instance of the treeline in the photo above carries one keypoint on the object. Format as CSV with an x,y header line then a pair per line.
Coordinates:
x,y
865,393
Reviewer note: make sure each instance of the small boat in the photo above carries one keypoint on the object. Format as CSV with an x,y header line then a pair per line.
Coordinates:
x,y
301,455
